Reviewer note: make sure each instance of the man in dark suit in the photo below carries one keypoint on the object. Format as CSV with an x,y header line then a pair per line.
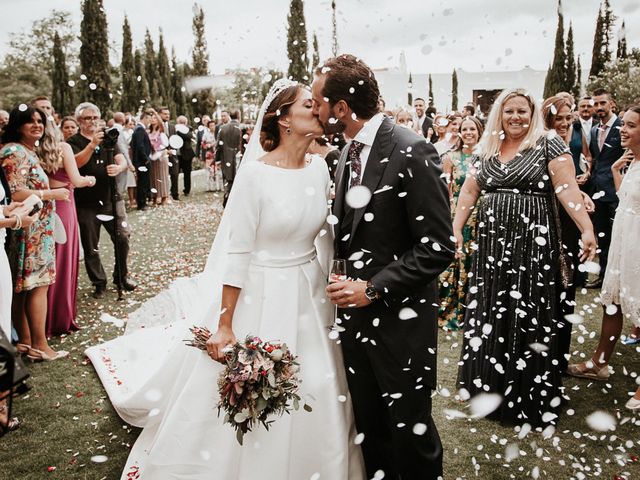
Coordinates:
x,y
141,159
424,122
185,153
605,150
201,153
396,243
174,164
229,143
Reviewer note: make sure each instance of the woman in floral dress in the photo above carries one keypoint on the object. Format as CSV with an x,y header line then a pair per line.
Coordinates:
x,y
453,281
32,252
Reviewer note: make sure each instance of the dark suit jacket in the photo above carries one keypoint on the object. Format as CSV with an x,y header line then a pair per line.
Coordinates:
x,y
186,151
140,147
404,247
601,176
428,122
229,142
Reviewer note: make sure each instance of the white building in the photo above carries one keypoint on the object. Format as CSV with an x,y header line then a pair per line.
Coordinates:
x,y
477,87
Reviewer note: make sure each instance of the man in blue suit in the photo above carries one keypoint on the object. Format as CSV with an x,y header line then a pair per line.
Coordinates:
x,y
605,150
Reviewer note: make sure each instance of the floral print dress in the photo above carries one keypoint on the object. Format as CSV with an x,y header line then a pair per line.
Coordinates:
x,y
33,254
453,281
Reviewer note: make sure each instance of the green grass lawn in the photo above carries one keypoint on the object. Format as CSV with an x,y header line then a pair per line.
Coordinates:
x,y
70,426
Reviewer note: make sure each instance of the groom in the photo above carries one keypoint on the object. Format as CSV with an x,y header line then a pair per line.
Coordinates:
x,y
396,245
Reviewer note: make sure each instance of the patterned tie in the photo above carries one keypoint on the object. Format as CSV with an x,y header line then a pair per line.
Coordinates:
x,y
602,135
356,165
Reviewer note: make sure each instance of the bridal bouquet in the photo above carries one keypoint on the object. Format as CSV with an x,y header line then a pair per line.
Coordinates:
x,y
260,381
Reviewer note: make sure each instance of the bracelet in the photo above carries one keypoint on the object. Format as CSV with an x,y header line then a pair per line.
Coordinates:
x,y
18,224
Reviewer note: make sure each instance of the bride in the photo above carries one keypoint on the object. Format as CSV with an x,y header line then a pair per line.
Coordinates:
x,y
263,277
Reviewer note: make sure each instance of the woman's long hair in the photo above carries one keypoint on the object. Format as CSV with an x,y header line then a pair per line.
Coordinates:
x,y
491,141
48,149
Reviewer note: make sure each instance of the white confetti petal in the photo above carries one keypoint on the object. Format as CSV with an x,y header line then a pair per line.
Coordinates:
x,y
484,403
601,421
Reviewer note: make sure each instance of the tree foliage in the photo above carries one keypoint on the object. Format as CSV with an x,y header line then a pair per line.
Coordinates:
x,y
94,54
555,81
316,53
129,100
601,53
165,89
200,63
297,47
621,51
60,92
572,82
142,87
454,90
27,67
621,78
430,91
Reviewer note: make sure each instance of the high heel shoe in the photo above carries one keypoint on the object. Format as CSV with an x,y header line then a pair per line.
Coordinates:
x,y
23,348
633,404
40,356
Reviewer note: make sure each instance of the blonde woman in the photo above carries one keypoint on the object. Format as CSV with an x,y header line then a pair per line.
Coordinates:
x,y
160,161
511,323
58,161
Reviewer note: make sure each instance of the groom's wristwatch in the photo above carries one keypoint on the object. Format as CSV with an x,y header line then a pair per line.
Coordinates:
x,y
371,293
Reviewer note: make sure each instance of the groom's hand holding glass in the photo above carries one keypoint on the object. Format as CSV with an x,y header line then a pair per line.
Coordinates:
x,y
348,294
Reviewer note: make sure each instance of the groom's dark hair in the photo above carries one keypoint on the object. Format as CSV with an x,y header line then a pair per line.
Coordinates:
x,y
350,79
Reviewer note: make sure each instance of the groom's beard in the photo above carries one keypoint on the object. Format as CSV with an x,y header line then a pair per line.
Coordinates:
x,y
336,126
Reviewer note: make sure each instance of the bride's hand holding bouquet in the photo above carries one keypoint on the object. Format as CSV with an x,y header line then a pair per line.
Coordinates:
x,y
219,342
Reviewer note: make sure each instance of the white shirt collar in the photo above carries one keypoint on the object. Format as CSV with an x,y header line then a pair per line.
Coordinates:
x,y
369,130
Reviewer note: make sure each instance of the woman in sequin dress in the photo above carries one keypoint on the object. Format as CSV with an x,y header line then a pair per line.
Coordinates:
x,y
511,334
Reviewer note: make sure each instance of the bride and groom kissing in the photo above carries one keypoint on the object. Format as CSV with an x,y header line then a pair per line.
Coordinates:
x,y
266,275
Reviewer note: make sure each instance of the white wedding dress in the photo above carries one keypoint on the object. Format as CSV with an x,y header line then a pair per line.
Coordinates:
x,y
169,389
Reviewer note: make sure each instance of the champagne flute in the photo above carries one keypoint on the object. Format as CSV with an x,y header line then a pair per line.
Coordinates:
x,y
338,271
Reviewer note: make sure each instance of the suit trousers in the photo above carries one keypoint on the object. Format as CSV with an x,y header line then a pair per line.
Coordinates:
x,y
603,224
186,165
174,172
143,186
90,237
400,437
228,185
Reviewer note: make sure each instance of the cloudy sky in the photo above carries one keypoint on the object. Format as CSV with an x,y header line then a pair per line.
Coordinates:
x,y
435,35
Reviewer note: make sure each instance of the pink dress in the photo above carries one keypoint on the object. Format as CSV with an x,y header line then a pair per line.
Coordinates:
x,y
61,314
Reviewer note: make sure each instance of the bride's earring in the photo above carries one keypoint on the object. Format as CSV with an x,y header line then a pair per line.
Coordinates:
x,y
288,131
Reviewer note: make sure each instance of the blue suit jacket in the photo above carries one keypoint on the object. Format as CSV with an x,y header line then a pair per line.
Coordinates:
x,y
140,147
601,176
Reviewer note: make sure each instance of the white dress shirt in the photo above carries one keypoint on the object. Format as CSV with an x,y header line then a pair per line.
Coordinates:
x,y
586,128
367,135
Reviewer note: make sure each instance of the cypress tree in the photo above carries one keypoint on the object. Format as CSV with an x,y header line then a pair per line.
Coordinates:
x,y
410,90
142,87
430,91
129,99
165,91
94,54
334,23
454,91
621,51
200,56
557,73
297,43
61,92
177,85
316,53
601,39
570,77
577,88
150,67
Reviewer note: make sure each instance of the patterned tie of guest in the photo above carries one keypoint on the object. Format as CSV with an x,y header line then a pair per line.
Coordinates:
x,y
356,165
